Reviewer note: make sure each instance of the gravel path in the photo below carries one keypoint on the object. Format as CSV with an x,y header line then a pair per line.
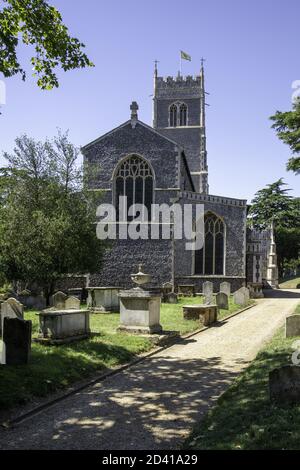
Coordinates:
x,y
154,404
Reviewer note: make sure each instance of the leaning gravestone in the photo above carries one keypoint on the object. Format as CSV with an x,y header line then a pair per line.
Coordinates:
x,y
284,385
207,290
17,340
59,300
225,287
292,326
241,296
72,303
11,308
222,300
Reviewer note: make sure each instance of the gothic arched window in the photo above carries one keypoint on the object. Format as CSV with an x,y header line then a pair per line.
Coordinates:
x,y
173,115
210,259
183,114
134,178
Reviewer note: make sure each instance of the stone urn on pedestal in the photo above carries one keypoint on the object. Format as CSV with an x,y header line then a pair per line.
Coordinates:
x,y
140,308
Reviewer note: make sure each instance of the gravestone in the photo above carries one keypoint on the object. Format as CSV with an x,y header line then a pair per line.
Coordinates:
x,y
166,289
241,296
171,298
225,287
17,340
59,300
292,326
72,303
222,300
207,290
11,308
284,385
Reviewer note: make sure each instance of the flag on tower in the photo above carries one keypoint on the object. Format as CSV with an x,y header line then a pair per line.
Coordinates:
x,y
185,56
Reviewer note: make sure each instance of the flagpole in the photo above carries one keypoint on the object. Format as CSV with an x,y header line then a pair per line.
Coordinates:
x,y
180,62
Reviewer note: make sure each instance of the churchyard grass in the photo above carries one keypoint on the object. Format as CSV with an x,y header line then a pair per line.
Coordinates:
x,y
290,283
244,418
52,368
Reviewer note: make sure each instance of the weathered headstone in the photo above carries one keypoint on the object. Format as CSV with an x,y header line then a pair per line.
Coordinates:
x,y
241,296
225,287
72,303
222,300
292,326
17,340
59,300
166,289
284,385
207,290
171,298
11,308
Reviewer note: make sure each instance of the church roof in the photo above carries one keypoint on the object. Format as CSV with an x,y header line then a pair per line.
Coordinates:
x,y
137,122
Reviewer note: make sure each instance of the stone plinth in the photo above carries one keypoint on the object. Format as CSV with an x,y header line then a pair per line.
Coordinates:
x,y
104,299
139,311
63,326
206,314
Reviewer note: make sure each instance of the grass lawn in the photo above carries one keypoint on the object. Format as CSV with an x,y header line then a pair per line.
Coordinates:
x,y
290,283
55,367
244,418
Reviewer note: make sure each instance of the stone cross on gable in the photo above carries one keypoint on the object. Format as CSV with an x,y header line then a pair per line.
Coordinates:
x,y
134,109
134,115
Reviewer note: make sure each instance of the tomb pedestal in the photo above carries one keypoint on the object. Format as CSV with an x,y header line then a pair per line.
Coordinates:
x,y
206,314
140,311
63,326
103,299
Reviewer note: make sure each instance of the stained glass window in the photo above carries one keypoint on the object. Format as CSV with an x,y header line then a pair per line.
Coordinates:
x,y
210,259
134,179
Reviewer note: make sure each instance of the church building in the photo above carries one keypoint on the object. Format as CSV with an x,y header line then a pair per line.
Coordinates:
x,y
164,164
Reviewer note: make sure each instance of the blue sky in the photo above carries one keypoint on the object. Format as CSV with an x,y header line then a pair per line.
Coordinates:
x,y
252,58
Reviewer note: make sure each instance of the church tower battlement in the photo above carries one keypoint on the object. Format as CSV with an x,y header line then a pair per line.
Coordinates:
x,y
179,113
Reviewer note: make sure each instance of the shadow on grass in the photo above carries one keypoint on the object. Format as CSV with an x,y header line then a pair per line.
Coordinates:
x,y
55,367
244,417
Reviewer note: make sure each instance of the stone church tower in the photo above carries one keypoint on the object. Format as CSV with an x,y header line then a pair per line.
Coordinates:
x,y
179,114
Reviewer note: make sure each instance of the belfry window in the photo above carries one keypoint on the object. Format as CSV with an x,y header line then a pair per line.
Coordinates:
x,y
183,114
134,178
210,259
178,114
173,115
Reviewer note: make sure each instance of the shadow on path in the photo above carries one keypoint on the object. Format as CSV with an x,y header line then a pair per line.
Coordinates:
x,y
149,407
282,293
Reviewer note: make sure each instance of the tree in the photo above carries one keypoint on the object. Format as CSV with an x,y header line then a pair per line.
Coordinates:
x,y
47,224
287,126
40,25
273,204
